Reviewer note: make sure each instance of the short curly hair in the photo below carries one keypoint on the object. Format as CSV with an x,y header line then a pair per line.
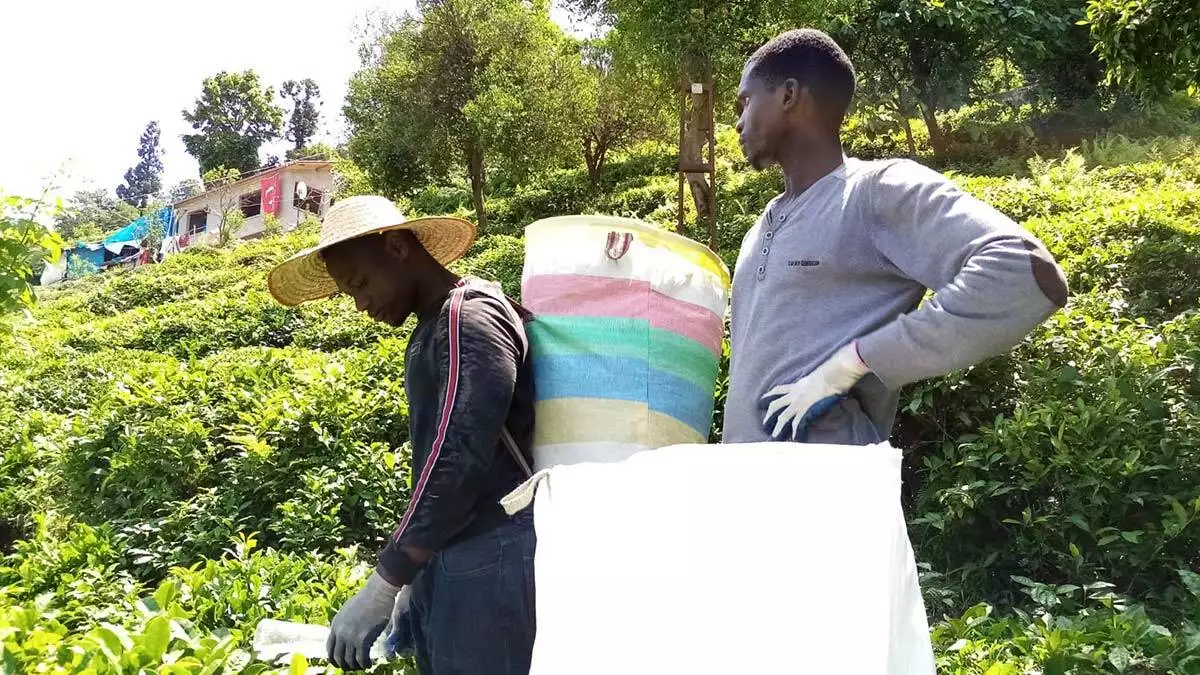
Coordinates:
x,y
814,60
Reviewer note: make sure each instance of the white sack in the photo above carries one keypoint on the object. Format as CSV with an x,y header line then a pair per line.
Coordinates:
x,y
54,272
741,558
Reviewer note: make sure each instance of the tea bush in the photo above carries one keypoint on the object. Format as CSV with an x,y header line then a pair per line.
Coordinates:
x,y
1077,478
199,619
185,455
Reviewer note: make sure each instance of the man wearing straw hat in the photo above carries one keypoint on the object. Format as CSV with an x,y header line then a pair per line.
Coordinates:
x,y
827,321
455,580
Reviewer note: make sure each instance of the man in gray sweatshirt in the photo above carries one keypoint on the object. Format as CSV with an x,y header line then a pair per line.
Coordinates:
x,y
827,319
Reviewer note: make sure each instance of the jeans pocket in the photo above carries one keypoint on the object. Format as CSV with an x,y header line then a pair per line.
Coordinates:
x,y
845,424
474,557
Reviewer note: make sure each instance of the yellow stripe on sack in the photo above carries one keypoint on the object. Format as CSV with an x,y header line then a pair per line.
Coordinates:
x,y
586,420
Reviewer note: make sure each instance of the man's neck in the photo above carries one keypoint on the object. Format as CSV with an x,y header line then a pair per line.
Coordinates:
x,y
802,168
430,294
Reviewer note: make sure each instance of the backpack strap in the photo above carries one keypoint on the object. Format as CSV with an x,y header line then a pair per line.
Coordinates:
x,y
520,316
511,444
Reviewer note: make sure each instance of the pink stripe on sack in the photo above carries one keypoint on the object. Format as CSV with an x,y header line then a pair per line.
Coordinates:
x,y
582,295
448,407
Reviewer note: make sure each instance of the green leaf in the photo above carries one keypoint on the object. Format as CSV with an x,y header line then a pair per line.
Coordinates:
x,y
167,593
1044,596
115,638
299,665
1119,657
1191,581
1160,630
156,637
218,656
1002,669
1178,509
8,665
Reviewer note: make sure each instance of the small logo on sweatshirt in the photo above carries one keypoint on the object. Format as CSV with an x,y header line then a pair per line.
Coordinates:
x,y
803,263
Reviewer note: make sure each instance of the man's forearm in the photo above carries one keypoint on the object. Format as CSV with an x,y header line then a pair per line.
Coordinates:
x,y
998,298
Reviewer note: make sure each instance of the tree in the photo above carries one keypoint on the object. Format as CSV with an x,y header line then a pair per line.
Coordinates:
x,y
1149,46
615,108
24,241
1063,62
698,41
472,83
305,96
91,214
233,117
144,180
930,52
185,189
229,209
314,151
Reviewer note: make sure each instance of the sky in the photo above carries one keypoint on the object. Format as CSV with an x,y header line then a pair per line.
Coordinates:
x,y
79,79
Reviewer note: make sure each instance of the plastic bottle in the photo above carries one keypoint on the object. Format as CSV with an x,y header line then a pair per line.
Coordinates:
x,y
273,639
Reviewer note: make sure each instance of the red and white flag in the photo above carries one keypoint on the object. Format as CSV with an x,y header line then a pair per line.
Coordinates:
x,y
270,193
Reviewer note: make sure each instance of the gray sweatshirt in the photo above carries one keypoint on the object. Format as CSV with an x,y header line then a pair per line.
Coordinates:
x,y
852,257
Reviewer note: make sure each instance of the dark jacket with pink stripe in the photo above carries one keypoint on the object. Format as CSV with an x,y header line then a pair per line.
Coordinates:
x,y
466,375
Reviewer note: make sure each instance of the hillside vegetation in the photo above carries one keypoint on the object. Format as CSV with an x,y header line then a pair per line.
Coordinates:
x,y
181,457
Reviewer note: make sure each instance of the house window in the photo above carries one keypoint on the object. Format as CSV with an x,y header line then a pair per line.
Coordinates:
x,y
311,203
197,222
251,203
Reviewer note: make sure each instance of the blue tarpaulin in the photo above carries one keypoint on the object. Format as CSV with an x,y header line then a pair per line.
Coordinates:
x,y
94,256
138,229
109,249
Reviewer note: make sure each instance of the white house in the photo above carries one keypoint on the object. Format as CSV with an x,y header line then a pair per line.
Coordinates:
x,y
256,194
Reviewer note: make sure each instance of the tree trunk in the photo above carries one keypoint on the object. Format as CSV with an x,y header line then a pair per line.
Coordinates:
x,y
922,73
600,157
912,144
475,168
695,138
936,140
593,156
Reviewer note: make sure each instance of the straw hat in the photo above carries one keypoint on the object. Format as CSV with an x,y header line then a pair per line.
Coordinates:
x,y
303,277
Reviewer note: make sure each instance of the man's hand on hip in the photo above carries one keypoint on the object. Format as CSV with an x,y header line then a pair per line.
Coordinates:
x,y
798,404
362,619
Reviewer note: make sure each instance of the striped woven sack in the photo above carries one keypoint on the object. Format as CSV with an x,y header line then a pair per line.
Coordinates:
x,y
626,340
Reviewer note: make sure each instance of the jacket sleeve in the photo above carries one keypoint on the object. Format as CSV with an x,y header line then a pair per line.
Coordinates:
x,y
993,281
479,355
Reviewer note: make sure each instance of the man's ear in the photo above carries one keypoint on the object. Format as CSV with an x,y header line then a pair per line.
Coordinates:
x,y
398,243
791,94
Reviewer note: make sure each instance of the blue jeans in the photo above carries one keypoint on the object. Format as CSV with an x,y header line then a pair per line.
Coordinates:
x,y
473,605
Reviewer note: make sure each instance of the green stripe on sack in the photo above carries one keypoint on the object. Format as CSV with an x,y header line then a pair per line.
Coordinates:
x,y
631,338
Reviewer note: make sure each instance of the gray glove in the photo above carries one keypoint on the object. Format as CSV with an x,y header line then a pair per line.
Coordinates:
x,y
361,620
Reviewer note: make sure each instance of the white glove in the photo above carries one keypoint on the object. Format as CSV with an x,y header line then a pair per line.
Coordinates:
x,y
806,399
360,621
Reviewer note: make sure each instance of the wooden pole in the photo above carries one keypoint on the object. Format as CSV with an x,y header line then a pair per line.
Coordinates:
x,y
682,93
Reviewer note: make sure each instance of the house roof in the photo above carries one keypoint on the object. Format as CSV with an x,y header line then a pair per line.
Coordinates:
x,y
255,175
